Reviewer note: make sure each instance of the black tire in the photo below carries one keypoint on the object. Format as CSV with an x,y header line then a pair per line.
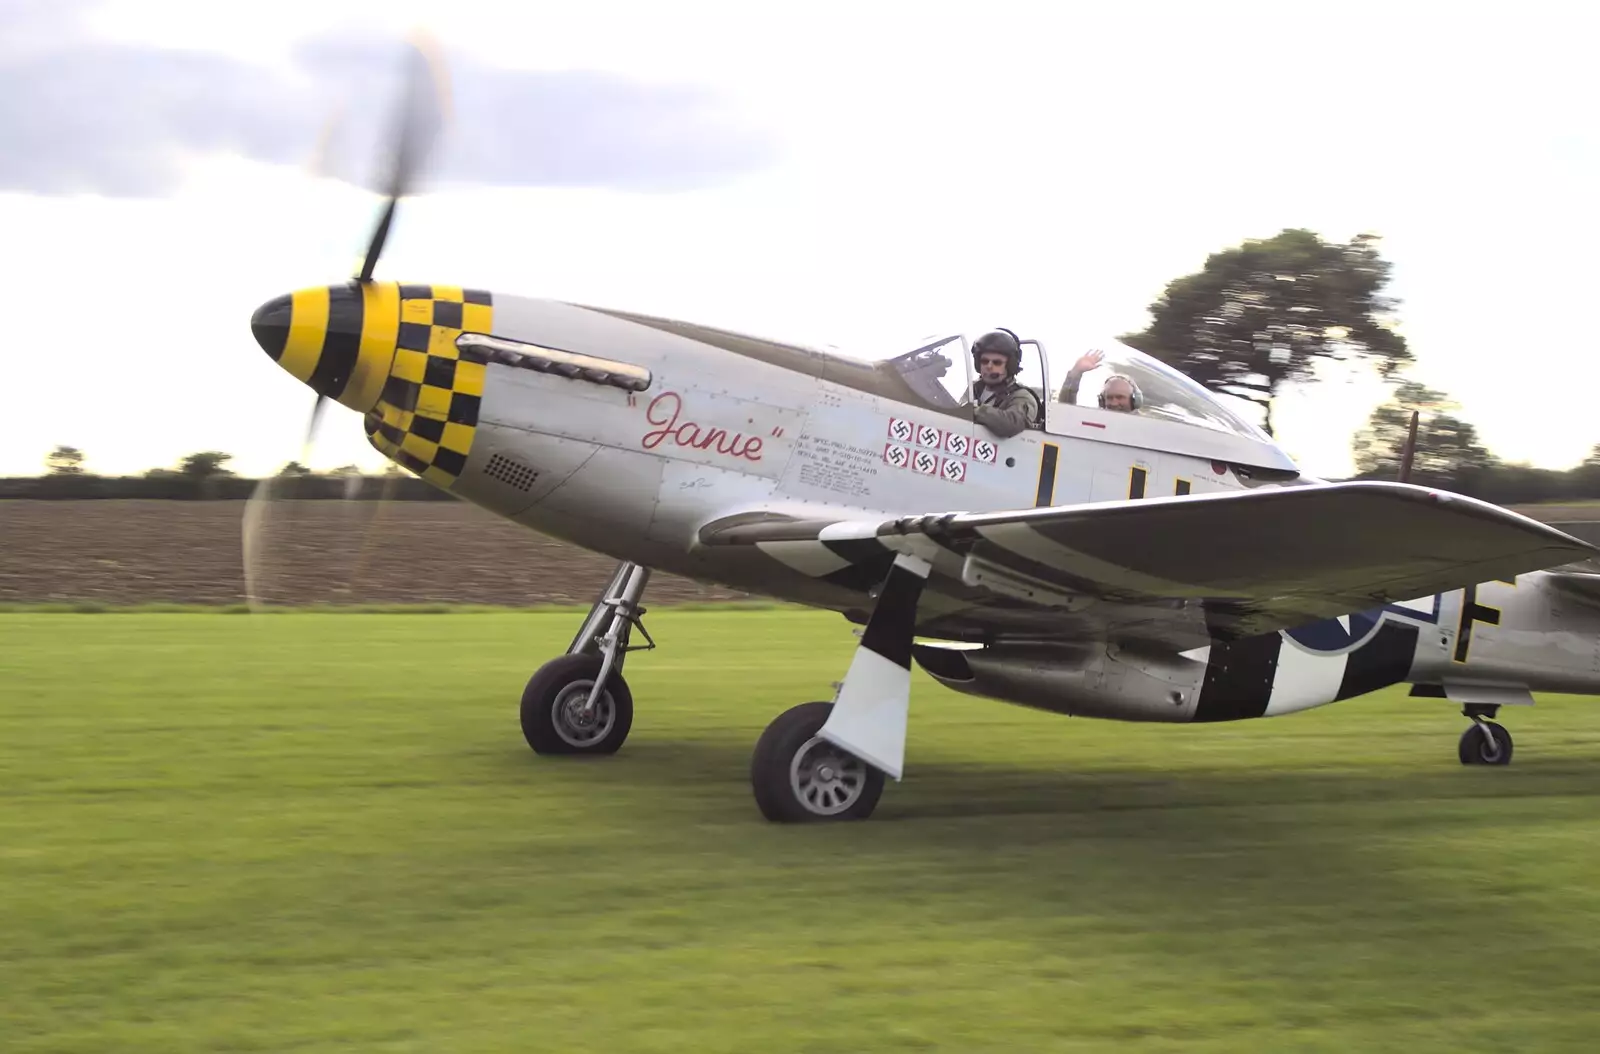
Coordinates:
x,y
563,683
1475,750
781,793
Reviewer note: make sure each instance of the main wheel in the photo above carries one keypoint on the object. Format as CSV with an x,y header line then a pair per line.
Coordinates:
x,y
1476,749
798,776
553,721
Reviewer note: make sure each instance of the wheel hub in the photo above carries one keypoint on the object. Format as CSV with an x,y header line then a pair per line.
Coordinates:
x,y
573,724
826,780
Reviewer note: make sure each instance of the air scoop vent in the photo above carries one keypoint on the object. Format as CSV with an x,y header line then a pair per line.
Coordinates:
x,y
477,347
511,473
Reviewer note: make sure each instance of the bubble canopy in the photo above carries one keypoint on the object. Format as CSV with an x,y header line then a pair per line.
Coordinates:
x,y
1164,392
1175,413
938,369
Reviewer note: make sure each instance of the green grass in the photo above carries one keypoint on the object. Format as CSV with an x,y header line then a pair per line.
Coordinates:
x,y
323,832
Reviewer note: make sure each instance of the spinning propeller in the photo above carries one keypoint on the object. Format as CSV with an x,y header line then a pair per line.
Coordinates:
x,y
331,360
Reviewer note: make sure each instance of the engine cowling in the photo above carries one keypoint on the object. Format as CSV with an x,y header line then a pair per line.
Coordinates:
x,y
1103,681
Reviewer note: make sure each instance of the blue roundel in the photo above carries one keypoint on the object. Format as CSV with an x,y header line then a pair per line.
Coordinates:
x,y
1329,635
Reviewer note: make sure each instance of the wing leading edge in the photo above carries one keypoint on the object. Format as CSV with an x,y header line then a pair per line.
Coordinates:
x,y
1249,561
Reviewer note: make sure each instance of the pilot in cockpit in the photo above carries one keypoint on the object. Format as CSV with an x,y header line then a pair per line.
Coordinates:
x,y
1118,393
1002,405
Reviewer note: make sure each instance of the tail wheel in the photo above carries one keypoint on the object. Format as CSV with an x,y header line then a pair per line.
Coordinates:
x,y
1476,748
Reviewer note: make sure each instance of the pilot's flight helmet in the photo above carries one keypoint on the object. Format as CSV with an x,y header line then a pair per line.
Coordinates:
x,y
1001,341
1135,396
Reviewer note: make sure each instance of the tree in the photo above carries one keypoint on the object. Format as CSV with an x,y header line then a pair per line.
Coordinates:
x,y
65,461
1447,448
1261,314
1585,476
204,465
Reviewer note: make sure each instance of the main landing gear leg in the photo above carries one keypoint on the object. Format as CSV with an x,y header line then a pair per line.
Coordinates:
x,y
1485,743
578,703
827,761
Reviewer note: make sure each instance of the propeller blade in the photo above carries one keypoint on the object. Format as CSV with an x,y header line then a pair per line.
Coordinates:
x,y
418,119
385,502
1409,451
419,115
255,517
255,511
311,429
319,165
375,247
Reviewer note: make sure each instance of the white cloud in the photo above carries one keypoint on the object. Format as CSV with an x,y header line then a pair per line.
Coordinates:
x,y
1048,172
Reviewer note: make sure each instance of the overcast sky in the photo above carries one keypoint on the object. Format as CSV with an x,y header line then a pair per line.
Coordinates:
x,y
834,171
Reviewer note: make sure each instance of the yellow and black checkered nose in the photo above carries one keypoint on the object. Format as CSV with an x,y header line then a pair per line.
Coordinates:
x,y
427,415
339,339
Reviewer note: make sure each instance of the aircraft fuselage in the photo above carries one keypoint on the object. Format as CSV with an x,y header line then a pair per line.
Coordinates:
x,y
636,474
627,435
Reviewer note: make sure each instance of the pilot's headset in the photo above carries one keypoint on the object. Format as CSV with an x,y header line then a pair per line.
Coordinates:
x,y
1135,398
1002,340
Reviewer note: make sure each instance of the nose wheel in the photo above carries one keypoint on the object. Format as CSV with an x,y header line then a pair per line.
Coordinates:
x,y
1485,743
557,717
578,703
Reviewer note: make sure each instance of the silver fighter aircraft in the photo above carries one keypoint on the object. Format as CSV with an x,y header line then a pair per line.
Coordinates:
x,y
1147,555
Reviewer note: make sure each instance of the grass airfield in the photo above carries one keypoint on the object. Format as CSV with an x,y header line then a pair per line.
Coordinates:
x,y
317,832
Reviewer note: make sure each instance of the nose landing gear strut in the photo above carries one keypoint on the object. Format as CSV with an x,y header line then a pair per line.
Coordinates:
x,y
578,703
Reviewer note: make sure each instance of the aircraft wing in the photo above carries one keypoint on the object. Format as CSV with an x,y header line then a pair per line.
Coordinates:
x,y
1181,569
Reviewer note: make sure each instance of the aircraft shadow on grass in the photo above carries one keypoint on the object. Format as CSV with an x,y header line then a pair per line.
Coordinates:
x,y
1349,863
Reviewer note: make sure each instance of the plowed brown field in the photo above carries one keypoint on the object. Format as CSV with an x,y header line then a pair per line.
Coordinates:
x,y
190,552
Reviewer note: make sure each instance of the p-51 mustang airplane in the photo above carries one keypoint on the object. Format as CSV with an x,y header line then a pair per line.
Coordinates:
x,y
1169,564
